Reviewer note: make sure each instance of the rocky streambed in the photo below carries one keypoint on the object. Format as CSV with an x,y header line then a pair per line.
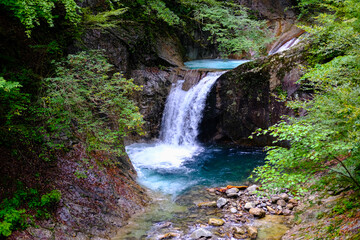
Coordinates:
x,y
233,212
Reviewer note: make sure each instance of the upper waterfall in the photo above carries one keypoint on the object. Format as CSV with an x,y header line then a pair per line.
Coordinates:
x,y
287,45
184,110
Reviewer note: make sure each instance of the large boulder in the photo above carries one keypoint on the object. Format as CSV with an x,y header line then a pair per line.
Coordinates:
x,y
221,202
247,98
249,205
252,189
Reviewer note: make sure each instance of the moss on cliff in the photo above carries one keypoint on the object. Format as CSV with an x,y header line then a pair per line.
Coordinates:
x,y
248,97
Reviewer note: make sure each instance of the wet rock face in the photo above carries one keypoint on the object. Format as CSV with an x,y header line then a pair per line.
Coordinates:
x,y
98,204
151,100
281,17
270,9
244,99
130,47
148,60
115,49
95,201
156,88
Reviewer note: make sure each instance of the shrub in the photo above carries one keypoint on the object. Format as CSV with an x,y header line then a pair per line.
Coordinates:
x,y
85,101
19,211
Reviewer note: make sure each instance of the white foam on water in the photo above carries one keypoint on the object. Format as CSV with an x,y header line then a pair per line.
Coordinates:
x,y
161,155
184,111
156,163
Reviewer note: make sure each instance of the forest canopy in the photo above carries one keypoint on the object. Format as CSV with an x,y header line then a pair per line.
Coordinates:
x,y
230,26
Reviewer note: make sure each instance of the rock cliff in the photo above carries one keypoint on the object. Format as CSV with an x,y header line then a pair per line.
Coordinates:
x,y
96,199
281,17
246,98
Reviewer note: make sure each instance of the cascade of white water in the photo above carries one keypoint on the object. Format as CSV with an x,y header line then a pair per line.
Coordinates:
x,y
184,110
179,129
167,165
285,46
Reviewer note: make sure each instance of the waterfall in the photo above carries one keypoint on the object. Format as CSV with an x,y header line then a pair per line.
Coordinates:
x,y
287,45
184,110
176,161
179,129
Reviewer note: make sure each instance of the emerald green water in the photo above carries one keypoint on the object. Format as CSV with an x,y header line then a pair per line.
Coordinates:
x,y
221,64
176,169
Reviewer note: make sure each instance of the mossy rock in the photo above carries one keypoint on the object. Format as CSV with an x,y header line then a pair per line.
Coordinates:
x,y
248,97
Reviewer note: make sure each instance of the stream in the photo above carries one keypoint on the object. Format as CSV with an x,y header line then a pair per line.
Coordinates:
x,y
177,169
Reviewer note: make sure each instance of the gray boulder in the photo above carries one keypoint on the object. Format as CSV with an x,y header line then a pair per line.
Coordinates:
x,y
252,232
199,233
286,212
233,210
275,198
232,190
290,206
221,202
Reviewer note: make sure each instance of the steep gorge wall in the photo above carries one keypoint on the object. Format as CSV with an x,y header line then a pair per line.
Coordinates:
x,y
98,199
91,207
239,103
281,16
97,206
246,98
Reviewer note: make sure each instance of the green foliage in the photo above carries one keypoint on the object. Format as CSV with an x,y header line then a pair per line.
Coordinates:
x,y
345,206
104,19
163,12
16,213
31,12
320,215
88,102
231,28
328,136
14,103
51,198
227,24
8,86
80,174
